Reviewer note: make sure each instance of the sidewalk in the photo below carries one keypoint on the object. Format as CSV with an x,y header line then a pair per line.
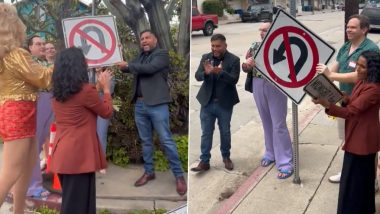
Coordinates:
x,y
115,191
258,191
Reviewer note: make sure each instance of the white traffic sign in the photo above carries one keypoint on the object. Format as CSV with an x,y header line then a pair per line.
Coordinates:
x,y
289,54
97,36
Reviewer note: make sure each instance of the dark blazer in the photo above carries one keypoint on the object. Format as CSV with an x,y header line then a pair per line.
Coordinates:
x,y
225,82
362,128
76,146
153,75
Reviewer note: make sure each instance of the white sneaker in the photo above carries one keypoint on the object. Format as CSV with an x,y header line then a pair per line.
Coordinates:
x,y
335,178
43,164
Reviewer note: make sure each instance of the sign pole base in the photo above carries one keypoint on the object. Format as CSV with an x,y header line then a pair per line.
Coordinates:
x,y
296,179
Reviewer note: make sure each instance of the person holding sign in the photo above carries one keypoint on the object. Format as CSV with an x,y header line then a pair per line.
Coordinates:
x,y
362,136
151,96
20,79
343,69
272,106
77,154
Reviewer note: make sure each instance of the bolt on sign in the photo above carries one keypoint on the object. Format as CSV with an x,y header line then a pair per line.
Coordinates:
x,y
97,36
289,54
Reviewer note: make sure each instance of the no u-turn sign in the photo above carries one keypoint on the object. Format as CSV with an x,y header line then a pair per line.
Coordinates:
x,y
289,54
96,36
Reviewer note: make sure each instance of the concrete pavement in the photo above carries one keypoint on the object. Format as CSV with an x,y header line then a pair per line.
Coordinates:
x,y
257,189
115,191
250,188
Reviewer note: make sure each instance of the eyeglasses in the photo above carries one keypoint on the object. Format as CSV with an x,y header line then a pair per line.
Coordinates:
x,y
263,30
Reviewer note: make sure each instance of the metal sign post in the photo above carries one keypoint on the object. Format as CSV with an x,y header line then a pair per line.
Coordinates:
x,y
93,71
296,179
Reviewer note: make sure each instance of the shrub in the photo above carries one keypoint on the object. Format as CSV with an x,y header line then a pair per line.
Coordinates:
x,y
45,210
213,7
230,10
160,161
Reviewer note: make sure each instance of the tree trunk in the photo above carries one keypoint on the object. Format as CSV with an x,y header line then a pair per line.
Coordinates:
x,y
131,12
62,14
184,32
351,8
159,22
170,8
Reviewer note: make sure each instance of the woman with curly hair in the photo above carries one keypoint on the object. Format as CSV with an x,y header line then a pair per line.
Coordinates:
x,y
362,137
20,78
77,154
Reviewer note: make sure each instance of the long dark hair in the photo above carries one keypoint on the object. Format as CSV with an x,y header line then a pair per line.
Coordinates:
x,y
373,66
70,73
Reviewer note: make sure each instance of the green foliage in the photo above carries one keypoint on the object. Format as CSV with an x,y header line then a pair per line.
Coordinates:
x,y
213,7
230,10
119,157
105,212
182,147
161,164
158,211
45,210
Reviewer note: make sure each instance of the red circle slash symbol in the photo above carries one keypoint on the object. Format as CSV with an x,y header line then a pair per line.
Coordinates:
x,y
108,52
284,31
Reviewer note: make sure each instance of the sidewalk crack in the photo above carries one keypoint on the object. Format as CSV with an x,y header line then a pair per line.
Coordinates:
x,y
323,177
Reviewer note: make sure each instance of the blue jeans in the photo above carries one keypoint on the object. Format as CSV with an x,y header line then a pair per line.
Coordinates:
x,y
209,114
102,131
157,117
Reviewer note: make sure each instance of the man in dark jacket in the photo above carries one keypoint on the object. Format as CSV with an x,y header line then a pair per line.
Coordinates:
x,y
219,71
151,97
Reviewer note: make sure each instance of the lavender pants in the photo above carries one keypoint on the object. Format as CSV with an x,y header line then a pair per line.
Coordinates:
x,y
272,106
44,119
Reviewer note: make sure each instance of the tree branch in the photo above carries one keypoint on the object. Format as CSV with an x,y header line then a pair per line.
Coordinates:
x,y
170,8
27,23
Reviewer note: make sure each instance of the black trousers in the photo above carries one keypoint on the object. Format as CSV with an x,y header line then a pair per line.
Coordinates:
x,y
78,193
357,184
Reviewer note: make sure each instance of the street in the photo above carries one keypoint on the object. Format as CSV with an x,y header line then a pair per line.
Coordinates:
x,y
210,189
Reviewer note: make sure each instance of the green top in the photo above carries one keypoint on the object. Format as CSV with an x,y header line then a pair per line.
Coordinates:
x,y
44,63
344,60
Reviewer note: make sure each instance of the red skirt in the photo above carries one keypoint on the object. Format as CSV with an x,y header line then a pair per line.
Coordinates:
x,y
17,120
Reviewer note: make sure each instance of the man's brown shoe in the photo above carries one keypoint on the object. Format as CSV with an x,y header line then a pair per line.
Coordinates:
x,y
144,179
228,164
181,185
201,167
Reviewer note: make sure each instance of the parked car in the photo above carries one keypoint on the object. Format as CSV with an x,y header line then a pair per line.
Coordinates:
x,y
372,11
277,7
257,13
205,22
340,6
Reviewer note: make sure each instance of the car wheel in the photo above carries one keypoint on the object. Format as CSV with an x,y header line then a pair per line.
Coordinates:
x,y
209,29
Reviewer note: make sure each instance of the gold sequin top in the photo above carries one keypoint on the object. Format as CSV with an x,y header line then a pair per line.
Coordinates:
x,y
21,76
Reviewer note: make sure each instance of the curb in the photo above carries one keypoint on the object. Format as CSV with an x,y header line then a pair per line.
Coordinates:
x,y
259,173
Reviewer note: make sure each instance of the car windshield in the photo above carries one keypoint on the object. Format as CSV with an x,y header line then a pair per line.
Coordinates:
x,y
253,8
373,3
